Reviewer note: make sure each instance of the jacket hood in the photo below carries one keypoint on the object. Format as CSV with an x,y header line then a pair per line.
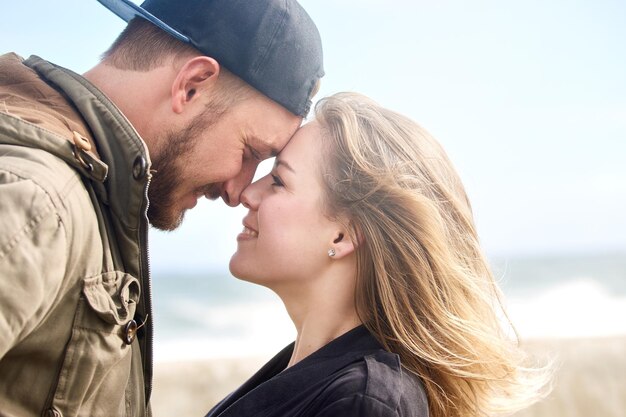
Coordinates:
x,y
38,116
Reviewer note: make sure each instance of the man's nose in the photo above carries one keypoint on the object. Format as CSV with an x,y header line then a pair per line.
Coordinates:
x,y
232,189
230,194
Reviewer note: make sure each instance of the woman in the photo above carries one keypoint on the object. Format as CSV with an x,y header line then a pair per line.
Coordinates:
x,y
364,230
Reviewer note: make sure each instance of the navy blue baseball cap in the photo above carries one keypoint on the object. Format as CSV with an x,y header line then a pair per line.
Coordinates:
x,y
273,45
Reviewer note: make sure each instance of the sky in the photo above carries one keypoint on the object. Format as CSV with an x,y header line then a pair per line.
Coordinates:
x,y
528,98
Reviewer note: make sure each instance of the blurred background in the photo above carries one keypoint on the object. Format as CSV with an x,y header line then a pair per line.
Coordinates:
x,y
529,100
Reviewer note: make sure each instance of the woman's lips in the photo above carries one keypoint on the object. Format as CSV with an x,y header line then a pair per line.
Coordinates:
x,y
247,233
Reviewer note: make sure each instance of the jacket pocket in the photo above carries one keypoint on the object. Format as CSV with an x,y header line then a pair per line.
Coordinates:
x,y
97,363
113,297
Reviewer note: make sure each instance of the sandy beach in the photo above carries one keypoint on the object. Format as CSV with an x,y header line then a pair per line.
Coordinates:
x,y
590,380
192,388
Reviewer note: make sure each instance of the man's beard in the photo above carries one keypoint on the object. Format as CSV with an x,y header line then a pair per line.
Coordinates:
x,y
167,176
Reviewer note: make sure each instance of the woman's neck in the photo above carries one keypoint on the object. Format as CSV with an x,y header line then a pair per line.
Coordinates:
x,y
315,335
320,314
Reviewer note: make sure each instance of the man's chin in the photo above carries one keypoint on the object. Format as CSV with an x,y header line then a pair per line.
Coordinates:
x,y
166,222
213,193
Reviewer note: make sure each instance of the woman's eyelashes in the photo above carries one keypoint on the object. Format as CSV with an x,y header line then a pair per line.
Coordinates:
x,y
277,181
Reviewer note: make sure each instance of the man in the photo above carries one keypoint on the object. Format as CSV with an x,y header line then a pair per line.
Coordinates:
x,y
187,101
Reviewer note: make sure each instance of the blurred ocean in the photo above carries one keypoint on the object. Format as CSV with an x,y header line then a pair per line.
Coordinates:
x,y
211,314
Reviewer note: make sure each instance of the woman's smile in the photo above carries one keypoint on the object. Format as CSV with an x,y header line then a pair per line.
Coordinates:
x,y
247,233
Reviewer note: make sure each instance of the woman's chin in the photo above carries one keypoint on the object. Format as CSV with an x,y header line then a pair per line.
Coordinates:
x,y
239,270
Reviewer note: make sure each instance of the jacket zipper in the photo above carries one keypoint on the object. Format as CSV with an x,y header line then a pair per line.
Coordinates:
x,y
145,266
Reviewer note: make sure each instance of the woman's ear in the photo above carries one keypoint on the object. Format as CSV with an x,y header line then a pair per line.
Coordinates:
x,y
195,77
341,245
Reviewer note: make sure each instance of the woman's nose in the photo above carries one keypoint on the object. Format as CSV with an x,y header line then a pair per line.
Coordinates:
x,y
252,195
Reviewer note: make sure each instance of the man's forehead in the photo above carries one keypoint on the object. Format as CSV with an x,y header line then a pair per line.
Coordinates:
x,y
269,135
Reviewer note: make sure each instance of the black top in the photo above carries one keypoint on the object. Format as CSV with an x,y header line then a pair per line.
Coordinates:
x,y
352,376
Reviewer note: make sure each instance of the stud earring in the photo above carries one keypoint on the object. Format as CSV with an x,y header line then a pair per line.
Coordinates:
x,y
331,252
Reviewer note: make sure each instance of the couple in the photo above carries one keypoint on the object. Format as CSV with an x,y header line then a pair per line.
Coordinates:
x,y
362,228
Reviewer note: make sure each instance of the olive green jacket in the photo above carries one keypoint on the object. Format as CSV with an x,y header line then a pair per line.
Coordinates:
x,y
74,277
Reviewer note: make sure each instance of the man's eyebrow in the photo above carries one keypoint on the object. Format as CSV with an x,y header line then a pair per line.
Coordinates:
x,y
279,162
257,154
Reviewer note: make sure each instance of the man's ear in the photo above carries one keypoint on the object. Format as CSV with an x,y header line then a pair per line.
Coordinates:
x,y
194,78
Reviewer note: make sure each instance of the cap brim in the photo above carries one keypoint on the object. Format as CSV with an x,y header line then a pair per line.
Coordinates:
x,y
127,10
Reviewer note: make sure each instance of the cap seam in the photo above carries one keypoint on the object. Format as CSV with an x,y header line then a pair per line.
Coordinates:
x,y
279,27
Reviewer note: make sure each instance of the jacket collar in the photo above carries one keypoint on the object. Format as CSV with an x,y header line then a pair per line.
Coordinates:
x,y
119,146
273,383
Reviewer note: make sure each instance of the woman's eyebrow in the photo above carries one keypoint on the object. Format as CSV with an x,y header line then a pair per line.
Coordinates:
x,y
279,162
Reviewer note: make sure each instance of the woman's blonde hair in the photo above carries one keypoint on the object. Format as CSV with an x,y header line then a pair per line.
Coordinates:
x,y
424,287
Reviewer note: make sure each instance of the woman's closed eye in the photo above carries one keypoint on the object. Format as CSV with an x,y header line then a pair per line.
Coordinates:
x,y
277,181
